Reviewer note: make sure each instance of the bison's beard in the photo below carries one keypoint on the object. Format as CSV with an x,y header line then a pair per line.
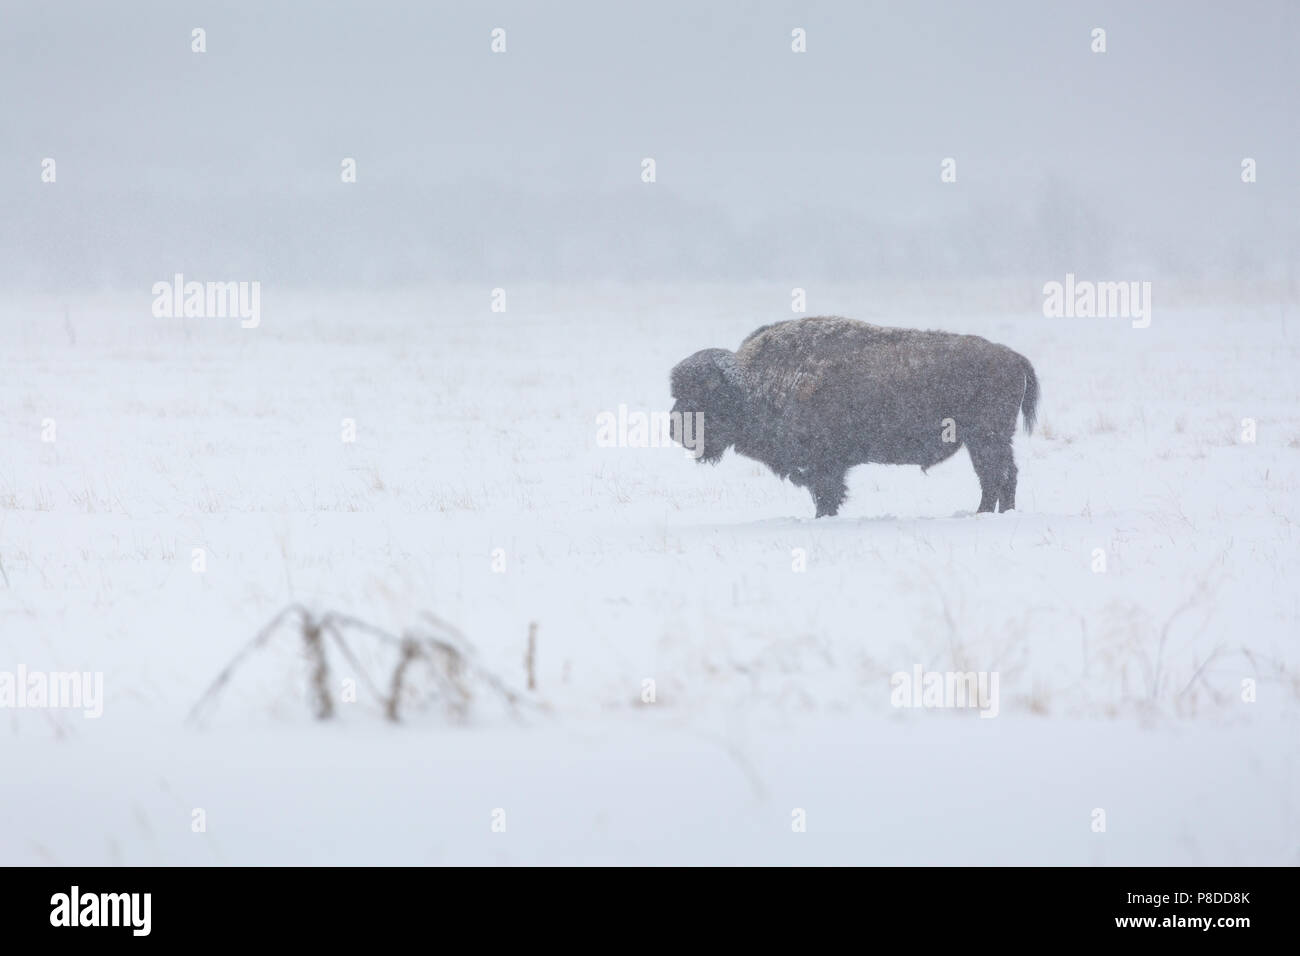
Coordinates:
x,y
711,433
712,456
712,448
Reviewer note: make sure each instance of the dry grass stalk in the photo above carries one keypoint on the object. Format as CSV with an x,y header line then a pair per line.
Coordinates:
x,y
530,659
437,644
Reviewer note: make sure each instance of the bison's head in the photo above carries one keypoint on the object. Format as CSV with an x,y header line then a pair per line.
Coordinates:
x,y
711,383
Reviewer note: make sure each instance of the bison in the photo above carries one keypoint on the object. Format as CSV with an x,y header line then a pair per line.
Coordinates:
x,y
810,398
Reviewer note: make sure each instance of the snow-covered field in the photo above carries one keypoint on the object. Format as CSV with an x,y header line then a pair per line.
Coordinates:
x,y
475,489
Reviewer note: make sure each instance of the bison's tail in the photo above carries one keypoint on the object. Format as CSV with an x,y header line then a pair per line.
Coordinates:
x,y
1029,402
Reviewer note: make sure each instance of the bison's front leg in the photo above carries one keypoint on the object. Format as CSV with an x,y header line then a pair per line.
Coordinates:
x,y
828,492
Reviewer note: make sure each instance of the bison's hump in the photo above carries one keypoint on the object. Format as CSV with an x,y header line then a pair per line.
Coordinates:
x,y
792,361
811,328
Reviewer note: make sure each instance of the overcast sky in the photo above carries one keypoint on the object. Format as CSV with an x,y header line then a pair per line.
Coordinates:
x,y
474,165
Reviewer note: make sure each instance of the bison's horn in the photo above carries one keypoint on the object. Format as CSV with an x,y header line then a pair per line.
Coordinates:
x,y
719,360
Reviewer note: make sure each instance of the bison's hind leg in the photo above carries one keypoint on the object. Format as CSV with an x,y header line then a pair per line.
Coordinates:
x,y
996,468
1007,495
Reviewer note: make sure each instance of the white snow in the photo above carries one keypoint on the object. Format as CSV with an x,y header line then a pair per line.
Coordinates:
x,y
476,431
